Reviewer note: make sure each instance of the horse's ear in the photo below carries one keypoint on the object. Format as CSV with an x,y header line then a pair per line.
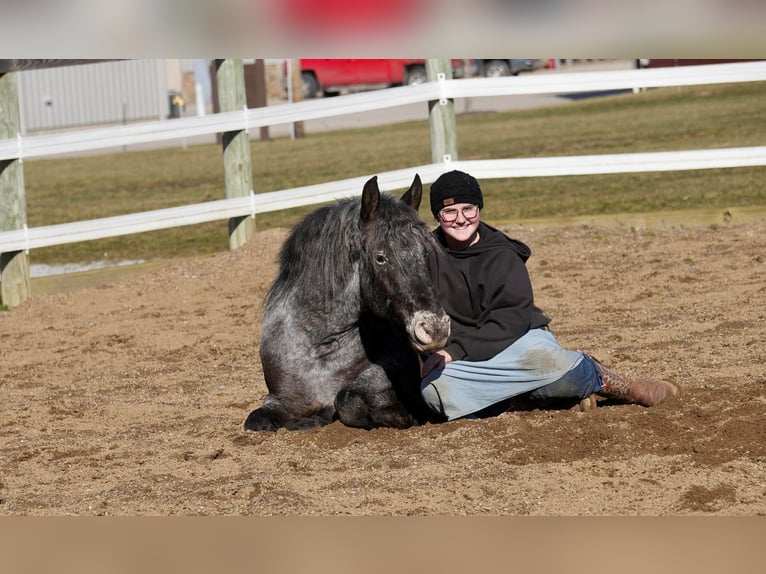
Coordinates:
x,y
414,194
370,198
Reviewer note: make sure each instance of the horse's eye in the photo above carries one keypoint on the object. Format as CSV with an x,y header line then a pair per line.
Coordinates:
x,y
380,258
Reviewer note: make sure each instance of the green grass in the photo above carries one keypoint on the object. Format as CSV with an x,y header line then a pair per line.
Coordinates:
x,y
74,189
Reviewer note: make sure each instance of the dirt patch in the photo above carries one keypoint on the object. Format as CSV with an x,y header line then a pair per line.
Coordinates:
x,y
129,397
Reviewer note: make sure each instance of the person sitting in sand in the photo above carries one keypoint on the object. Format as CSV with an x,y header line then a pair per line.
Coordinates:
x,y
500,346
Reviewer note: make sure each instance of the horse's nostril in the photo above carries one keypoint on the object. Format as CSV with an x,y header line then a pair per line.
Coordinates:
x,y
422,333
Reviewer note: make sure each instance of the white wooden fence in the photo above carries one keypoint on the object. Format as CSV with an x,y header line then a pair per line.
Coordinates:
x,y
562,83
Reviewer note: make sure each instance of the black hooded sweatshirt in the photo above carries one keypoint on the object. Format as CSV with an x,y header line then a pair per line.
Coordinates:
x,y
486,291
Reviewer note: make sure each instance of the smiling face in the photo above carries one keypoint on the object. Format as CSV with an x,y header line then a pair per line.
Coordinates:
x,y
460,223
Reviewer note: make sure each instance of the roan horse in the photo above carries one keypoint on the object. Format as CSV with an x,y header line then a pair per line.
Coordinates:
x,y
345,319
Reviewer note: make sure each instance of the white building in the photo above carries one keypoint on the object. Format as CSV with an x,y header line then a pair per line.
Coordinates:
x,y
109,92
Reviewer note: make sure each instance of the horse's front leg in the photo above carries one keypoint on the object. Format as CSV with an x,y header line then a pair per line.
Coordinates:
x,y
370,401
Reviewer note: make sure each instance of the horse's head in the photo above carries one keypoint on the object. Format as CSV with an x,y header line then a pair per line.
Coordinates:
x,y
394,273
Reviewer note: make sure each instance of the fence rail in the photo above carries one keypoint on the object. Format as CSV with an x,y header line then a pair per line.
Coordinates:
x,y
563,83
26,239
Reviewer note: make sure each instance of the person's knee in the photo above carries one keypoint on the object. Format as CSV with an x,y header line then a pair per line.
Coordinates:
x,y
578,383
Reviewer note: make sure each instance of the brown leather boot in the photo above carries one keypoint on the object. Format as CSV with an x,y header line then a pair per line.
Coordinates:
x,y
645,392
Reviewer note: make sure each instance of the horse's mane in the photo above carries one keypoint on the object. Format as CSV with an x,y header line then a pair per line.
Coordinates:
x,y
324,247
320,258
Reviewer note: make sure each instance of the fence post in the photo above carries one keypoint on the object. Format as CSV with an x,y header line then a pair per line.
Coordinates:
x,y
441,115
237,163
295,94
14,266
261,96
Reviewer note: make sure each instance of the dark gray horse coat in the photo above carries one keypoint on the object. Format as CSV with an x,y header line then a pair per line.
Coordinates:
x,y
348,314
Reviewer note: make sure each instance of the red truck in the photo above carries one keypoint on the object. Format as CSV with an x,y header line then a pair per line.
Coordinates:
x,y
330,76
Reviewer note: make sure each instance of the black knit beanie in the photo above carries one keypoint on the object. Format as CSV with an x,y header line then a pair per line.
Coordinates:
x,y
455,187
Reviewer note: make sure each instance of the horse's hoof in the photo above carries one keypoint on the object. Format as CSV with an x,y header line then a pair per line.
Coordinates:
x,y
260,421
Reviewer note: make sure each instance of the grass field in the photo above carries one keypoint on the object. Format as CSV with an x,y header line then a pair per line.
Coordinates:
x,y
700,117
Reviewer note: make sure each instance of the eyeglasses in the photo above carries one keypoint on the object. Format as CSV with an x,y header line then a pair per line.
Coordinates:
x,y
449,214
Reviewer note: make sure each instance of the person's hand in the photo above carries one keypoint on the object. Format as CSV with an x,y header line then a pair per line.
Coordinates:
x,y
434,361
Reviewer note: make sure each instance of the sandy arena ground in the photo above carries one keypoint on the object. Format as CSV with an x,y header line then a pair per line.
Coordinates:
x,y
129,398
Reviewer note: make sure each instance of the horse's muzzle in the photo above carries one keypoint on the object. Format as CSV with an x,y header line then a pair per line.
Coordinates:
x,y
429,331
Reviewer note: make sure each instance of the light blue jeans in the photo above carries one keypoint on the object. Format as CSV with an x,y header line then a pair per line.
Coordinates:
x,y
534,364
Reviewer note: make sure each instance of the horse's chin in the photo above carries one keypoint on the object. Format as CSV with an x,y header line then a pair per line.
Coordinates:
x,y
431,347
